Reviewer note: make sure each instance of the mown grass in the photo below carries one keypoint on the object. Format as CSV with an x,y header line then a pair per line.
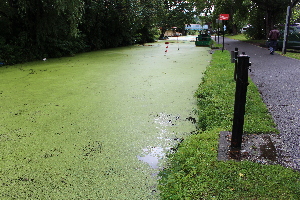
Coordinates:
x,y
289,53
242,37
194,171
293,54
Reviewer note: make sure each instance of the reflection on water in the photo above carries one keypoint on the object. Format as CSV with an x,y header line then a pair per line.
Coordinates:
x,y
152,156
168,139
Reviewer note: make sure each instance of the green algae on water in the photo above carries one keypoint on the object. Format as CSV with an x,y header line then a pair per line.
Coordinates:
x,y
72,128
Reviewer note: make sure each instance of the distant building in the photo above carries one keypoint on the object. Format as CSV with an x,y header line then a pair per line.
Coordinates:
x,y
196,27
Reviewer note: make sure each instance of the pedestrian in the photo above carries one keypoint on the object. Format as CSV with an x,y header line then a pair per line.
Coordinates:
x,y
273,37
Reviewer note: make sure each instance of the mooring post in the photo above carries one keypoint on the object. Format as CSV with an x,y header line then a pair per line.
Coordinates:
x,y
234,55
241,77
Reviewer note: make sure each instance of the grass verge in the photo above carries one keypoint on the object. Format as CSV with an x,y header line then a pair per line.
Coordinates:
x,y
194,172
243,38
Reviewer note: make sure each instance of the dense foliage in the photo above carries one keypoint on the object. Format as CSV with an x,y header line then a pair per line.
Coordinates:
x,y
262,15
52,28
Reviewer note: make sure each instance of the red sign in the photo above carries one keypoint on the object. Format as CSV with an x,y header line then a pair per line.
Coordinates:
x,y
224,17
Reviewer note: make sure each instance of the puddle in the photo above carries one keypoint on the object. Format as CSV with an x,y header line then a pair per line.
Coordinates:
x,y
261,148
268,150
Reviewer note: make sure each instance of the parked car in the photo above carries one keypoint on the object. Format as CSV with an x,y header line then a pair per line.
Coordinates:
x,y
293,38
244,29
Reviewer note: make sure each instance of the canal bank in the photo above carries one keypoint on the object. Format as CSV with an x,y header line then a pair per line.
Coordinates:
x,y
94,126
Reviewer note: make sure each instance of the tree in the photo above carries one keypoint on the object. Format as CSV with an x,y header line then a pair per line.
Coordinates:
x,y
150,11
108,23
39,28
238,11
296,14
261,14
53,28
274,11
50,24
177,14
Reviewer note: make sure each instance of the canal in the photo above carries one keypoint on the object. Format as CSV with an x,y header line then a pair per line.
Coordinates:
x,y
97,125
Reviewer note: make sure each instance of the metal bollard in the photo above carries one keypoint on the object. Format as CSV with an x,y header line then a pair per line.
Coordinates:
x,y
234,55
241,77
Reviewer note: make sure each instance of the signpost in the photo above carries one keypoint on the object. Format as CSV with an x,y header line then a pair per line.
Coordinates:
x,y
286,29
223,17
218,30
195,27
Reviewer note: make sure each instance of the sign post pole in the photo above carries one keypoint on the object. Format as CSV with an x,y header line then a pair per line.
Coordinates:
x,y
223,35
286,29
223,17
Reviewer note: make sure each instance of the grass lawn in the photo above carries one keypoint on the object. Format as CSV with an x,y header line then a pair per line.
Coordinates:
x,y
242,37
194,172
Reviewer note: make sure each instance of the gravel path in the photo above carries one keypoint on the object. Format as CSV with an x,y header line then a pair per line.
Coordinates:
x,y
277,78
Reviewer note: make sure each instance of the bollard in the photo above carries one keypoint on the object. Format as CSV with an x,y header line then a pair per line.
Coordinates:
x,y
236,52
234,55
241,76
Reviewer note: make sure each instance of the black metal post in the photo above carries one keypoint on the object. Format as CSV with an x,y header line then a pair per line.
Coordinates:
x,y
240,100
234,55
236,52
223,35
218,32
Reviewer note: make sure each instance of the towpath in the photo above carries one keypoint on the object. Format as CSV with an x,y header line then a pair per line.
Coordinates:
x,y
277,78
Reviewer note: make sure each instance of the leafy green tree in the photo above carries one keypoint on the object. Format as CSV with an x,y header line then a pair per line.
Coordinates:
x,y
296,14
261,14
238,11
51,26
107,23
148,17
271,13
177,14
39,28
114,23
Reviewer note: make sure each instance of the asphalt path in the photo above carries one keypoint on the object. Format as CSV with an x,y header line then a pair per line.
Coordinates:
x,y
277,78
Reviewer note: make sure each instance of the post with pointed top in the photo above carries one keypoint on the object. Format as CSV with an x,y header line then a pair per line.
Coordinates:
x,y
243,65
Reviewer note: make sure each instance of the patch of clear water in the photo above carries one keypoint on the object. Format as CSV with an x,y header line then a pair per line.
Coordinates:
x,y
153,155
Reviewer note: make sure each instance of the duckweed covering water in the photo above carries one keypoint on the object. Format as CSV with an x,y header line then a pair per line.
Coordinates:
x,y
74,128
